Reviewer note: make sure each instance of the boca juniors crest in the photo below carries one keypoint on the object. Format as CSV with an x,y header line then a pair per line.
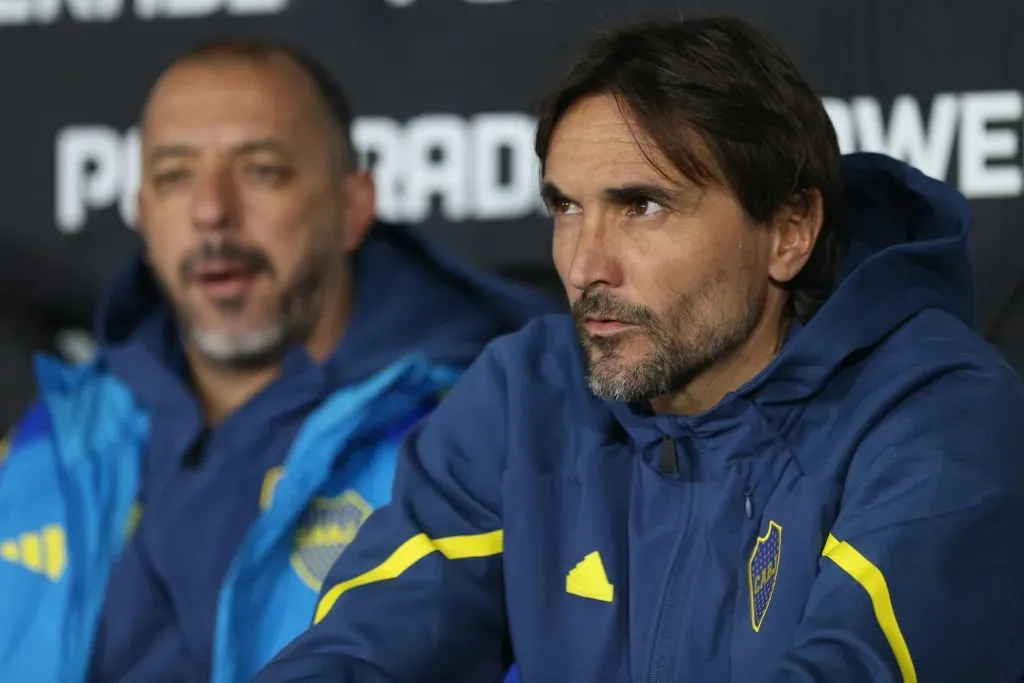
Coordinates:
x,y
327,528
762,571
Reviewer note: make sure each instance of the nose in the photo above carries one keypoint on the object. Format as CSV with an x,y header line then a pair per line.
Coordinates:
x,y
595,259
213,201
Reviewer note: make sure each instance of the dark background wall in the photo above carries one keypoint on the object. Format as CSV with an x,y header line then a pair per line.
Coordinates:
x,y
446,91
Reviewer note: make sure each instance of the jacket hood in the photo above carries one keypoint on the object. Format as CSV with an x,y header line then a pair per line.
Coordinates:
x,y
906,248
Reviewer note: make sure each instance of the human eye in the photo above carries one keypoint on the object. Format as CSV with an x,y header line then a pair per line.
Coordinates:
x,y
269,173
168,177
643,207
562,206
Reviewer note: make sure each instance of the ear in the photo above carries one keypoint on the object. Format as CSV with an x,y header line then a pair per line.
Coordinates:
x,y
360,207
796,228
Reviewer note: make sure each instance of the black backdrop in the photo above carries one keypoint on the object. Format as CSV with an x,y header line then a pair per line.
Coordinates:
x,y
446,91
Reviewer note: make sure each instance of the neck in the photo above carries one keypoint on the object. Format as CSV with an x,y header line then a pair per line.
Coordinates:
x,y
730,372
222,389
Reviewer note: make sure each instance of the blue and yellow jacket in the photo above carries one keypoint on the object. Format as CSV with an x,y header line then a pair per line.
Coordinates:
x,y
70,483
848,515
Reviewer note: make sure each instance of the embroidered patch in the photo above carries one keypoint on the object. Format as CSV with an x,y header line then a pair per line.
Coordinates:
x,y
326,529
762,571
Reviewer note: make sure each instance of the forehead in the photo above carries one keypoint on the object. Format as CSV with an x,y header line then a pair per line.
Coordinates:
x,y
222,101
595,145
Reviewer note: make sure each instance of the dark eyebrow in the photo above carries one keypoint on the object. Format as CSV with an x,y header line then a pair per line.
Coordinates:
x,y
247,147
629,194
262,145
624,195
550,193
172,151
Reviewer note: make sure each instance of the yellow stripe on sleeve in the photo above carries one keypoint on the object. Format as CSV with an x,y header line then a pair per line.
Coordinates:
x,y
872,580
411,552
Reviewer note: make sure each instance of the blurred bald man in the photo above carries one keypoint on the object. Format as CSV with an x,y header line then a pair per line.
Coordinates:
x,y
170,509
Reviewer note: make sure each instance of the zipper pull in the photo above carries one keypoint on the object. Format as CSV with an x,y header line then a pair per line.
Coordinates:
x,y
748,505
667,456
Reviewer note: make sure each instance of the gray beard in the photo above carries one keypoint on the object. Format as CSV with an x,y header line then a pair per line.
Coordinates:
x,y
673,362
298,310
296,316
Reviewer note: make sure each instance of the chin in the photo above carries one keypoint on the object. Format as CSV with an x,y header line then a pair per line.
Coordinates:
x,y
609,365
238,346
629,348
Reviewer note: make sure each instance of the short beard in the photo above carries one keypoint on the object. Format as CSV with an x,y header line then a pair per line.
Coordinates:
x,y
242,350
293,322
674,360
294,318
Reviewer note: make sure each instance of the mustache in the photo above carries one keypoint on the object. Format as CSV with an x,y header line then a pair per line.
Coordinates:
x,y
223,251
598,303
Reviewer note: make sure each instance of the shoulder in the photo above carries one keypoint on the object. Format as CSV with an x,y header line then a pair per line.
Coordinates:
x,y
57,377
943,399
936,355
523,392
545,347
76,401
540,367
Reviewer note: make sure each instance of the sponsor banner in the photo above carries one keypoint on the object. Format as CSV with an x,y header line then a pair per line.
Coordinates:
x,y
446,93
28,12
483,168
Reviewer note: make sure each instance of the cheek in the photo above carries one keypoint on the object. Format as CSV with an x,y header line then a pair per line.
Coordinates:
x,y
304,253
562,249
293,220
682,292
656,277
310,200
165,252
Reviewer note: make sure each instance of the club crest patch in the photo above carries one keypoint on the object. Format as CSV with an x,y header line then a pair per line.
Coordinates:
x,y
326,529
762,572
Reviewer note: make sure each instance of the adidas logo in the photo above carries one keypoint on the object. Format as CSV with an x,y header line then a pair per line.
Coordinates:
x,y
589,580
43,553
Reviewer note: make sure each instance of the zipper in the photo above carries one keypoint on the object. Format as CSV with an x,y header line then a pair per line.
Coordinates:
x,y
665,626
668,464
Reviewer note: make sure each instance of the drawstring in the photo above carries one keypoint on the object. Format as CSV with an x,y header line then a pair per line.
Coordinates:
x,y
667,456
748,506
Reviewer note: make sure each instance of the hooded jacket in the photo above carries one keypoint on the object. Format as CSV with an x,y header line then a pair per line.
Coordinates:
x,y
139,544
846,515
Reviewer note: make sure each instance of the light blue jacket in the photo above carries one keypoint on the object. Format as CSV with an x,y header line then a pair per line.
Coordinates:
x,y
67,491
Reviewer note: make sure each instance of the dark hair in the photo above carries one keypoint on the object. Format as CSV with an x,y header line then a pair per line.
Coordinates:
x,y
715,85
255,49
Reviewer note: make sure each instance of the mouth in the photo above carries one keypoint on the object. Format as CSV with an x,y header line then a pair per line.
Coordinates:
x,y
226,280
606,327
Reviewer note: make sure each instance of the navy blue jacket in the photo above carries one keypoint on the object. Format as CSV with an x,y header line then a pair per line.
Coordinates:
x,y
849,514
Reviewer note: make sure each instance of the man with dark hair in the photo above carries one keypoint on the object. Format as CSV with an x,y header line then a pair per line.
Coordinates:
x,y
767,446
169,510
